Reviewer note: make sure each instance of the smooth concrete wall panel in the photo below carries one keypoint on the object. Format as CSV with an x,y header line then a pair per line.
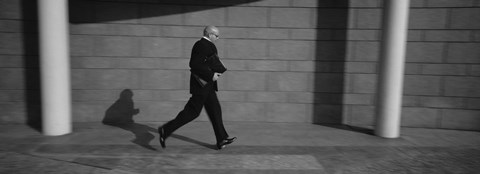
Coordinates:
x,y
425,52
301,97
116,46
290,81
130,63
416,35
361,115
414,68
79,95
465,18
411,101
12,78
204,15
445,69
245,81
292,50
180,31
428,18
366,3
244,111
104,79
10,26
269,33
163,79
247,17
472,103
446,35
116,12
282,112
462,86
267,97
14,112
270,3
160,47
364,83
291,17
82,45
288,60
358,99
422,85
463,53
232,96
328,82
116,29
13,96
476,35
162,95
363,35
11,9
368,18
325,98
460,119
267,65
84,11
330,18
11,43
236,65
303,66
366,51
306,3
91,111
449,3
327,113
420,117
170,14
158,111
246,49
443,102
474,70
310,34
361,67
329,50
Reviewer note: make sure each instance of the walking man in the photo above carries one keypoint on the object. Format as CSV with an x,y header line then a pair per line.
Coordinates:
x,y
203,87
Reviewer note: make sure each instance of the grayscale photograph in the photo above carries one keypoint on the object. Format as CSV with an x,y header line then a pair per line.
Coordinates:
x,y
240,86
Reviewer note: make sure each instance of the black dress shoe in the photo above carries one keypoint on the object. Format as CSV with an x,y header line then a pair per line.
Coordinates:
x,y
230,140
162,137
225,142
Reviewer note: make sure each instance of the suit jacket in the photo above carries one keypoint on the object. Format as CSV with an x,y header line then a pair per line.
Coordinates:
x,y
198,66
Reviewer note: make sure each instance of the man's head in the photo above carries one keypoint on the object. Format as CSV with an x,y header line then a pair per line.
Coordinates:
x,y
212,33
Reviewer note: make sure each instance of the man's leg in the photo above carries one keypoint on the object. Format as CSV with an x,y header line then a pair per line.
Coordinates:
x,y
214,112
190,112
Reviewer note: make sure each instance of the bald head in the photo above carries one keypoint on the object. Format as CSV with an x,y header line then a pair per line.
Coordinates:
x,y
211,32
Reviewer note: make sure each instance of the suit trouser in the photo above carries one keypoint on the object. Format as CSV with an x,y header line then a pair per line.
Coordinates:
x,y
192,110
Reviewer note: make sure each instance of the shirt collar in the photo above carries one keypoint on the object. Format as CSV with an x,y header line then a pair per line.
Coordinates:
x,y
207,38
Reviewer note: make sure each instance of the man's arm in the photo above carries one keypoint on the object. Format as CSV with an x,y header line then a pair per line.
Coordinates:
x,y
197,62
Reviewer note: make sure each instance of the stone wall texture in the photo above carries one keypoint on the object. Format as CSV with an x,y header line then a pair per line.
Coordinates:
x,y
308,61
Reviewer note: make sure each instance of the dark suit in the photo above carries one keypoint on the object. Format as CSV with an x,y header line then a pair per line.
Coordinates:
x,y
202,95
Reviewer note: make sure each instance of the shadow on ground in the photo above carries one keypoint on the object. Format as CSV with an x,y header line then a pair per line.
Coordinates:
x,y
120,114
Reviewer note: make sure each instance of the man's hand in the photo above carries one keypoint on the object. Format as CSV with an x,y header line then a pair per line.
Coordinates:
x,y
216,76
136,111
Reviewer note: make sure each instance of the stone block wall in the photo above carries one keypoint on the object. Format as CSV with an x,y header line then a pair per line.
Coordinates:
x,y
441,79
311,61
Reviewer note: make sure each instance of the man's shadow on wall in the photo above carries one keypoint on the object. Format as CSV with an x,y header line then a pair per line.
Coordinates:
x,y
121,113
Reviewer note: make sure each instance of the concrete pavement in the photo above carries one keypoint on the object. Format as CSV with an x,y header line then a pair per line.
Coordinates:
x,y
260,148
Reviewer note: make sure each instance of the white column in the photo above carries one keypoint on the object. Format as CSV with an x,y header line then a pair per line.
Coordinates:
x,y
55,67
392,62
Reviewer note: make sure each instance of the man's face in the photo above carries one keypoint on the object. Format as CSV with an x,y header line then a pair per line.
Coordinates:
x,y
215,35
